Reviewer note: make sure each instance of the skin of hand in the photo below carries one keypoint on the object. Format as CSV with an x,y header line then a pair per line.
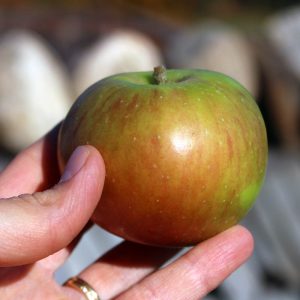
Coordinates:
x,y
43,216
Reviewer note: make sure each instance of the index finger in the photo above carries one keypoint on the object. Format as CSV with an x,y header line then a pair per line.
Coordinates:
x,y
34,169
199,271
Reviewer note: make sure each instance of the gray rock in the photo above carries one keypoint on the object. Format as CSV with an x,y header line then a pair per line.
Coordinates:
x,y
275,222
215,46
283,30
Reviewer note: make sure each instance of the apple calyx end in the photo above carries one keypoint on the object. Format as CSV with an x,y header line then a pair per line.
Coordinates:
x,y
160,74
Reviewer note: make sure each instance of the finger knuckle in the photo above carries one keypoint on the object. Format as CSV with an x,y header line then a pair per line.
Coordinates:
x,y
40,198
195,275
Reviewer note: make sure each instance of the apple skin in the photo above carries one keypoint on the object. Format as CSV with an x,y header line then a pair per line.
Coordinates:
x,y
184,159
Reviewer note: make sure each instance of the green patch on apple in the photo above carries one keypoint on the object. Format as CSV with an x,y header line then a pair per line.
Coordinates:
x,y
248,194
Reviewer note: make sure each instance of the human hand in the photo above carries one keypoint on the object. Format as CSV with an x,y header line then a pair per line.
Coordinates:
x,y
41,221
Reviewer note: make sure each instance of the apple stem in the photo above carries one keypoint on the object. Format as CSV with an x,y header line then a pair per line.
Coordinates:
x,y
160,74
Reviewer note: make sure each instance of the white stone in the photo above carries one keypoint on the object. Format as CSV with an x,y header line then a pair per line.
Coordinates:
x,y
120,51
34,89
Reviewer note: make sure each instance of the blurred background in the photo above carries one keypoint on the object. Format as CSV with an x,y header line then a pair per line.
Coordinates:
x,y
50,51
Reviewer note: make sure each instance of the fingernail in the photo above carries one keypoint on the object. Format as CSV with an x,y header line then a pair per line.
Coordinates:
x,y
75,163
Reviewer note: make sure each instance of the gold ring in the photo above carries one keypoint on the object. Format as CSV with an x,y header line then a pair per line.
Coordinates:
x,y
83,287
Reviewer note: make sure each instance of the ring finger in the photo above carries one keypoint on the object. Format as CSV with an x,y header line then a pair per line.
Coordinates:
x,y
123,266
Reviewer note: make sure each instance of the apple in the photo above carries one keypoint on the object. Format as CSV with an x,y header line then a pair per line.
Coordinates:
x,y
185,153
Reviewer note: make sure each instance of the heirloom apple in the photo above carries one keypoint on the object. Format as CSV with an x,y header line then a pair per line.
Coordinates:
x,y
185,153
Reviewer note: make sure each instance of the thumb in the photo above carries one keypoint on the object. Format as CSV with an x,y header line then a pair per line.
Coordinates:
x,y
33,226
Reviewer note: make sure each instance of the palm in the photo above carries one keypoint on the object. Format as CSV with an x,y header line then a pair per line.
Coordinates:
x,y
34,281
